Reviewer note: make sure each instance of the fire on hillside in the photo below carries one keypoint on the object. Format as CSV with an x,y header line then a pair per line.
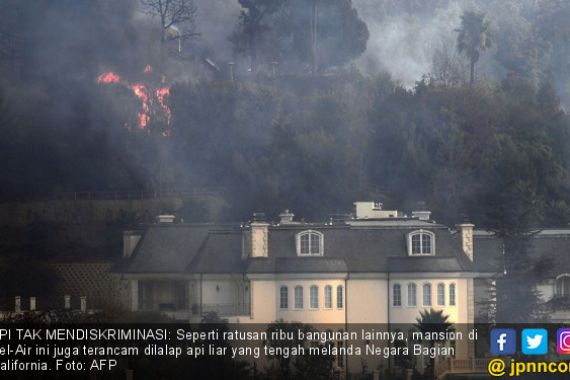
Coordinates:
x,y
153,99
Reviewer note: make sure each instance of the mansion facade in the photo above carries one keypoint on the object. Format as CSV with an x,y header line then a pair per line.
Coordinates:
x,y
379,266
375,267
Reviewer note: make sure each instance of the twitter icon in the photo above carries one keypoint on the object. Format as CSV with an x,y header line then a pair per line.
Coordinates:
x,y
534,341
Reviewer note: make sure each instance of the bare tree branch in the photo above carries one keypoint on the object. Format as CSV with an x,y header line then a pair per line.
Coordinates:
x,y
173,13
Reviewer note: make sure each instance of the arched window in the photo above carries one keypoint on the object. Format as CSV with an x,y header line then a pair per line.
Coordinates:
x,y
421,243
397,295
309,243
427,294
283,297
314,293
412,295
452,294
339,297
298,297
441,294
563,285
328,297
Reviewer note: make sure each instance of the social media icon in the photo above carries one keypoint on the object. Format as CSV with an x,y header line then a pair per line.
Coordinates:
x,y
563,341
534,341
503,341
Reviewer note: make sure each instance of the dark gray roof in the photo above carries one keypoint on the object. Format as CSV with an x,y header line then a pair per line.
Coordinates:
x,y
549,252
363,249
181,248
220,253
167,248
296,265
428,264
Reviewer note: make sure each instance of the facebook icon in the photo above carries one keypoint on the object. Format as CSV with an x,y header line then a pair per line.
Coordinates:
x,y
503,341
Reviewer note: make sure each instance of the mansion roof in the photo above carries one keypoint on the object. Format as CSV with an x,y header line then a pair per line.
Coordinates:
x,y
354,247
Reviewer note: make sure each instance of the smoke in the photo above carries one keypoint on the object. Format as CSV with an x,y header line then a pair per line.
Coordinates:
x,y
402,43
215,22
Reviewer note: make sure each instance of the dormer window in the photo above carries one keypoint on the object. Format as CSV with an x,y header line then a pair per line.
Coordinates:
x,y
421,243
309,243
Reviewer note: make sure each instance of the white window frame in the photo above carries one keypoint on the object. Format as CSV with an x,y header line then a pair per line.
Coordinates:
x,y
314,296
283,296
397,298
340,297
298,297
440,294
328,297
411,286
424,294
310,232
453,295
420,233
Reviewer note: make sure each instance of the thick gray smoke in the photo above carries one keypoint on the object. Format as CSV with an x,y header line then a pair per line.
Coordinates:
x,y
216,21
403,44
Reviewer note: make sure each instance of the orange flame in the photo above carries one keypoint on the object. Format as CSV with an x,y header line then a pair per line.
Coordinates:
x,y
108,77
160,97
162,94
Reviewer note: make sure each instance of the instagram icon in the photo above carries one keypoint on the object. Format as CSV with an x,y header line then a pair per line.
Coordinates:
x,y
563,341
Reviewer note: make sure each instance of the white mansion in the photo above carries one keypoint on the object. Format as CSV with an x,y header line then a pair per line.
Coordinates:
x,y
378,267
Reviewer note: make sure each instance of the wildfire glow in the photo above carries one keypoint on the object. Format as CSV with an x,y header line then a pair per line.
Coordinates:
x,y
109,77
162,94
152,99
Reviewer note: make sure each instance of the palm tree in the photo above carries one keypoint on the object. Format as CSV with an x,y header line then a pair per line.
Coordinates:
x,y
473,38
430,323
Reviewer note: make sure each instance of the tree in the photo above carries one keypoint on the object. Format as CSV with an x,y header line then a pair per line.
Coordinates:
x,y
473,38
177,19
251,26
430,323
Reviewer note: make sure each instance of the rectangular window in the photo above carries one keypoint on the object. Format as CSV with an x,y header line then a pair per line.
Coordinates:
x,y
427,294
452,294
412,295
397,295
441,294
298,297
426,244
305,244
328,297
314,297
416,244
284,298
339,297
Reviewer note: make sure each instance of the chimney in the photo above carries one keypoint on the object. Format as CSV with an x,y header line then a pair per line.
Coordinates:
x,y
130,240
18,304
67,301
286,217
165,218
259,235
466,230
83,304
33,303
